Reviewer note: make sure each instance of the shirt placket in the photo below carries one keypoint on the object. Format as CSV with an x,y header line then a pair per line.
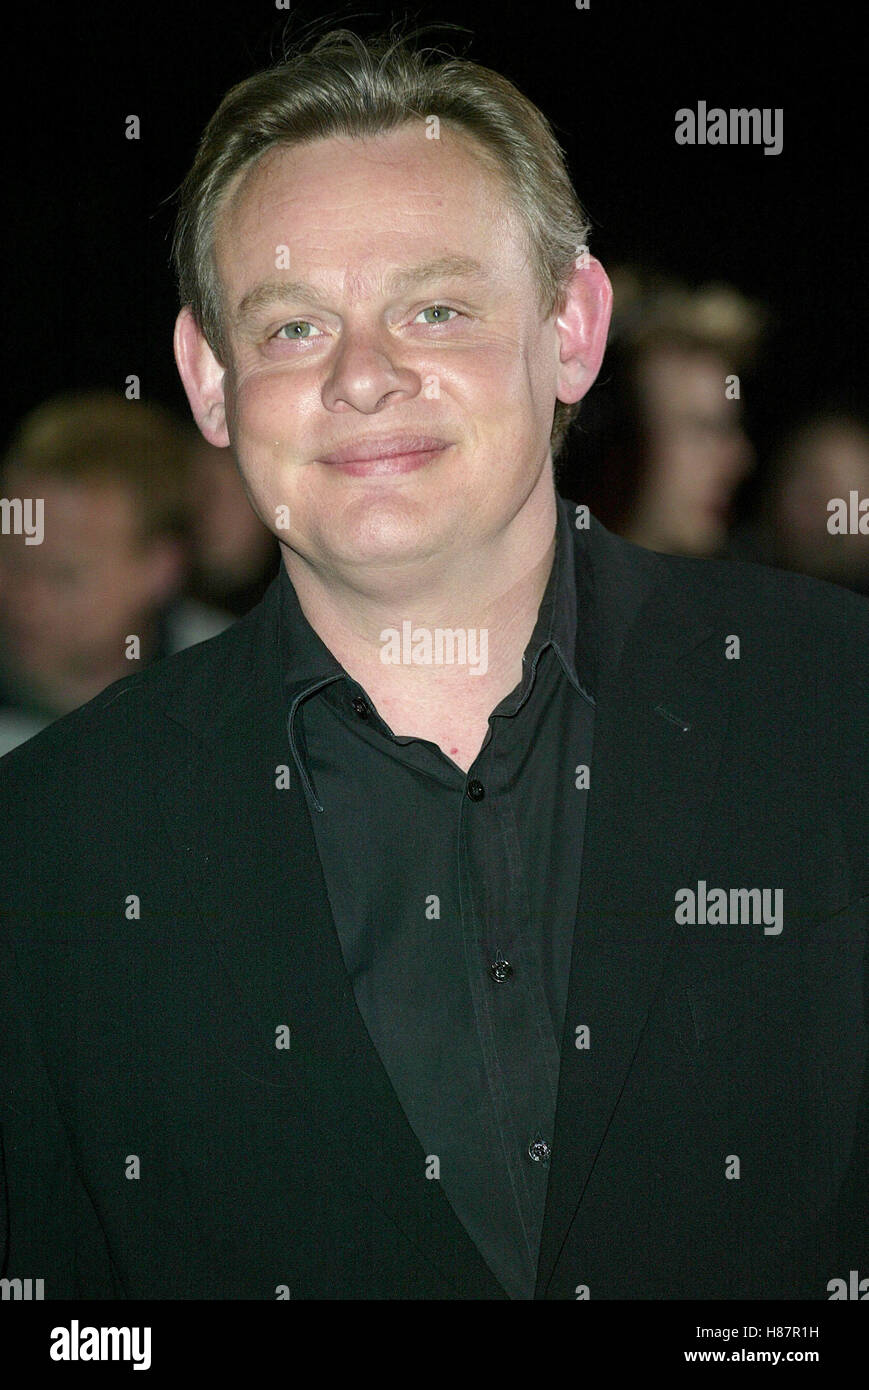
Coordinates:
x,y
519,1047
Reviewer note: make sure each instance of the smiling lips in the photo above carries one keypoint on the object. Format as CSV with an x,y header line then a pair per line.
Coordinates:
x,y
392,453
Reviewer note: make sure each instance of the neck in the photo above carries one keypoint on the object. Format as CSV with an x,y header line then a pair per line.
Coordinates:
x,y
491,593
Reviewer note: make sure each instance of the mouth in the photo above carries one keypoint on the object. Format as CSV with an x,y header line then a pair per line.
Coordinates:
x,y
389,454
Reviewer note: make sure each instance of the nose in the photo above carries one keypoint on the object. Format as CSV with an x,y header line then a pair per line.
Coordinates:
x,y
366,375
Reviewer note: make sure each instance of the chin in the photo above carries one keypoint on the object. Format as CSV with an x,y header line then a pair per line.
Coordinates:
x,y
374,534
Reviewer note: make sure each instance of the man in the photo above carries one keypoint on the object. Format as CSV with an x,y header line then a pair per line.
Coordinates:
x,y
365,951
100,593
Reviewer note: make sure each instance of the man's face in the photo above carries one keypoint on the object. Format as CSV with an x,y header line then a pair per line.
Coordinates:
x,y
698,453
73,600
361,356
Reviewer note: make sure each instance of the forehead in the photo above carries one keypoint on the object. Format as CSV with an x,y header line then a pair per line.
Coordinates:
x,y
364,204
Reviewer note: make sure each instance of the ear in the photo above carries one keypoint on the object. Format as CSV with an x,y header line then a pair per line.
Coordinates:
x,y
202,376
582,328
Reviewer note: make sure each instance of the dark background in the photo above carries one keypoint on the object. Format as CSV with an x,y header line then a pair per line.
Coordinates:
x,y
91,296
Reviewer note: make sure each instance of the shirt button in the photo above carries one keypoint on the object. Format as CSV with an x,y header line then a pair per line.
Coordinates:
x,y
360,706
476,790
539,1150
500,969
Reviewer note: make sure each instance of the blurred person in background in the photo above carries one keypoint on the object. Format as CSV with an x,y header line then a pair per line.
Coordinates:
x,y
662,450
112,562
822,460
234,557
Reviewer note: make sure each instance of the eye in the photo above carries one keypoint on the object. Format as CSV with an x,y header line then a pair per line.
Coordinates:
x,y
439,309
296,323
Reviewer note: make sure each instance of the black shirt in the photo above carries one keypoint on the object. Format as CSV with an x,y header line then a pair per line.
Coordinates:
x,y
454,898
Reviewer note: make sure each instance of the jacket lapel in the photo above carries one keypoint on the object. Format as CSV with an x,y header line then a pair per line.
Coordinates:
x,y
250,863
650,784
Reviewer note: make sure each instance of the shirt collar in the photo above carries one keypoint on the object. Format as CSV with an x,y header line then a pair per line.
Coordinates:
x,y
564,615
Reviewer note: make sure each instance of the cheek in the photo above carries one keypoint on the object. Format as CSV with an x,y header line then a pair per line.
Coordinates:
x,y
510,364
496,386
267,403
267,426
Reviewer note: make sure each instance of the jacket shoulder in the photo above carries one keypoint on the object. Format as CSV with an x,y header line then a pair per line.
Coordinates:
x,y
787,603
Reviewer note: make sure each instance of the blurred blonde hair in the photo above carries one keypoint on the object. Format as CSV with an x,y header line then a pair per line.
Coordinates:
x,y
101,436
651,311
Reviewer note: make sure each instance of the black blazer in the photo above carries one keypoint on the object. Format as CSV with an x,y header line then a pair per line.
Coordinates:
x,y
158,1143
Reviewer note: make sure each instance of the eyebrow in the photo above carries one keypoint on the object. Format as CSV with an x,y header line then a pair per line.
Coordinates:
x,y
281,291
